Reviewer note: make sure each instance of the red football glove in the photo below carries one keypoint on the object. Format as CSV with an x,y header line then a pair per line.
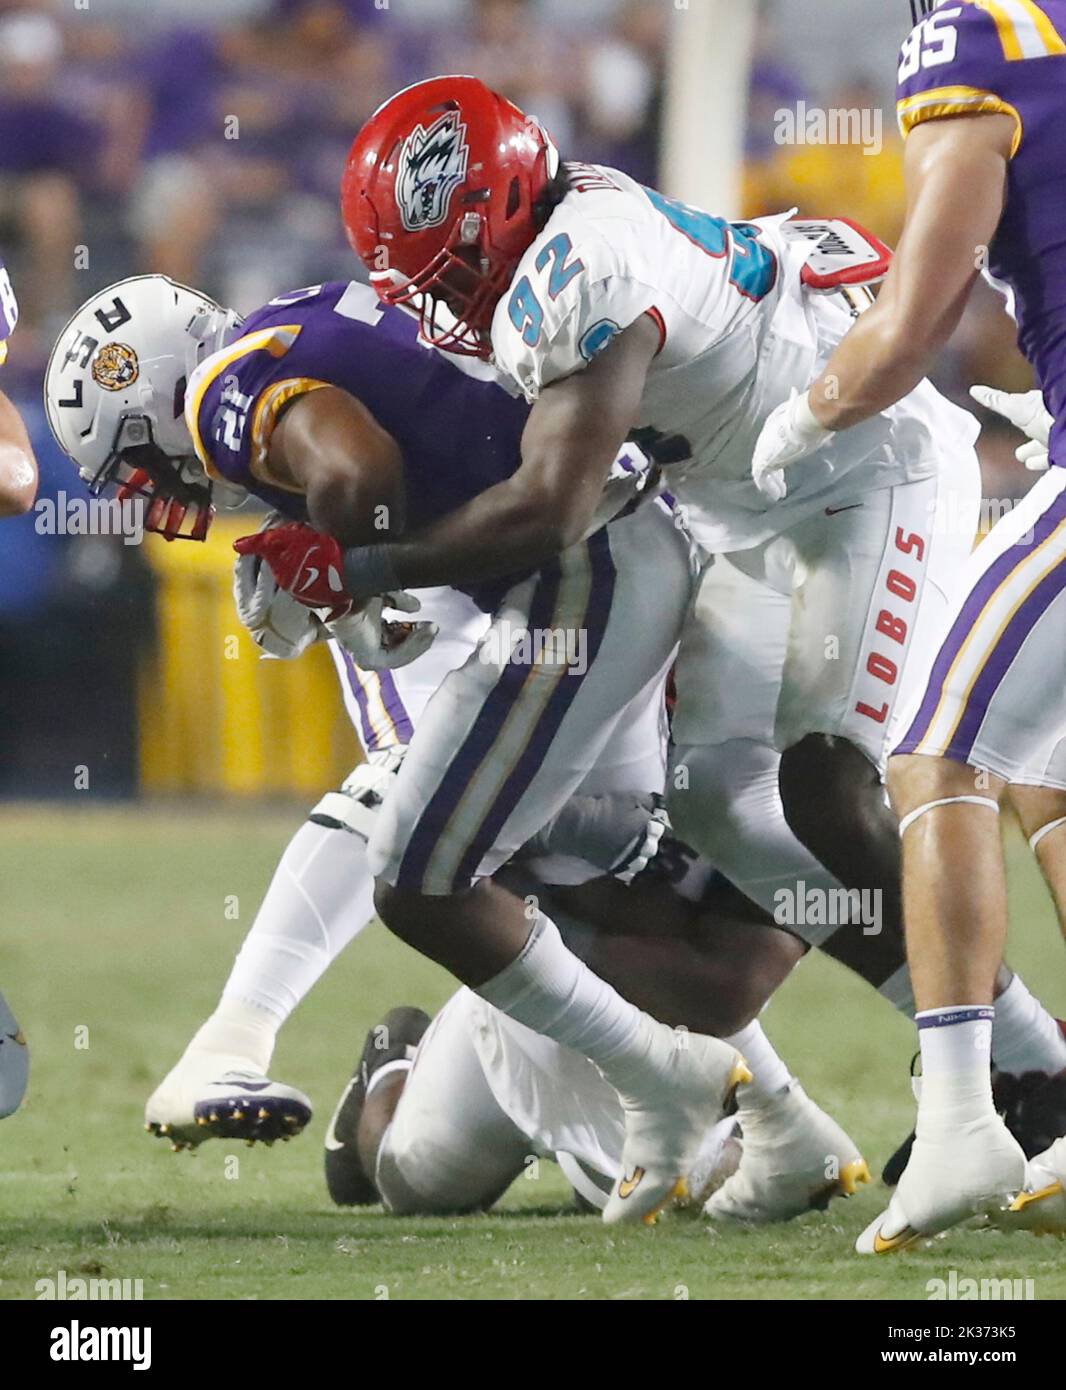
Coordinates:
x,y
306,564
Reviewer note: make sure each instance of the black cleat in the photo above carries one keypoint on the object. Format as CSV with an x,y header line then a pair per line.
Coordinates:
x,y
1033,1107
893,1169
393,1039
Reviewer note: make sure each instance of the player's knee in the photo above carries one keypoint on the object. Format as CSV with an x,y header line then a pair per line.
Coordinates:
x,y
915,779
399,909
829,788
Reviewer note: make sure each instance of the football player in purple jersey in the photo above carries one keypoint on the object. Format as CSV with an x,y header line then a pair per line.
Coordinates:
x,y
18,467
982,102
18,485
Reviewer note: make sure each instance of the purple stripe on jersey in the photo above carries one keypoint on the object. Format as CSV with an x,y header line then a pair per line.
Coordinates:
x,y
372,740
479,742
1000,570
476,746
594,623
390,698
999,660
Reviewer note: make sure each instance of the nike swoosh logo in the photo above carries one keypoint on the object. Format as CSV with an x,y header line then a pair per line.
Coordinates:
x,y
312,578
628,1186
332,1142
896,1242
832,511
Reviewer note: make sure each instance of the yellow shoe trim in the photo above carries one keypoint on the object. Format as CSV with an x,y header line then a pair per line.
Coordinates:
x,y
740,1075
1024,1199
853,1176
905,1237
676,1193
628,1186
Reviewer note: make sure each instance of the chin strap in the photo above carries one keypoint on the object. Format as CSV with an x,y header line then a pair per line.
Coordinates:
x,y
909,819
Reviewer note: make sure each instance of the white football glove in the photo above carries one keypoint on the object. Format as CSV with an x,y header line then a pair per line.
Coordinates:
x,y
276,622
645,847
378,644
1026,410
790,433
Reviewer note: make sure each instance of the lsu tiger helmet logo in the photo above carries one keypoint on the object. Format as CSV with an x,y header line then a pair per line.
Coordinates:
x,y
432,164
115,367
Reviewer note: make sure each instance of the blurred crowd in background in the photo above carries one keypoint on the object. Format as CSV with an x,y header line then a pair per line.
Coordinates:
x,y
205,139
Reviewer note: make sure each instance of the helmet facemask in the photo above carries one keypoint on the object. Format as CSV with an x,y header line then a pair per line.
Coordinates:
x,y
174,489
455,296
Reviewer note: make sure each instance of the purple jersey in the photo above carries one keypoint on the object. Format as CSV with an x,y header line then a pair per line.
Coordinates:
x,y
1009,56
9,311
459,433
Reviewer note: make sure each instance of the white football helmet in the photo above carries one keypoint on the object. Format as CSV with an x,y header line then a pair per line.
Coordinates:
x,y
115,396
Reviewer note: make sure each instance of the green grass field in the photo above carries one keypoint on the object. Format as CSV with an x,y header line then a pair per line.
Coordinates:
x,y
114,922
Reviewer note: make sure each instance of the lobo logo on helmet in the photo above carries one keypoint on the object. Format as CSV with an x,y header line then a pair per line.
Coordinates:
x,y
115,367
432,165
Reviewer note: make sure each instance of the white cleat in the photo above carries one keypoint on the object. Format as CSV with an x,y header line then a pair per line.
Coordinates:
x,y
14,1062
666,1129
223,1098
795,1158
955,1171
1041,1205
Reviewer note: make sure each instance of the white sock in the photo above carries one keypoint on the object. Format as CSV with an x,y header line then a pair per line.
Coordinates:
x,y
770,1076
1025,1037
240,1032
320,898
956,1044
548,989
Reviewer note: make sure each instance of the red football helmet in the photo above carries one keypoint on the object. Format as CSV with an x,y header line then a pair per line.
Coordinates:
x,y
438,200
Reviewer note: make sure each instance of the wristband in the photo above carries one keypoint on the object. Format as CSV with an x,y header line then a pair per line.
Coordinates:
x,y
806,423
370,570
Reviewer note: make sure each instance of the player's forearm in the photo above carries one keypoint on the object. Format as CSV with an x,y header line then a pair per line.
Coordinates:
x,y
956,177
879,362
18,467
352,509
509,528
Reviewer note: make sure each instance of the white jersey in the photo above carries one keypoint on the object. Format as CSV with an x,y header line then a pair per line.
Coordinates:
x,y
738,329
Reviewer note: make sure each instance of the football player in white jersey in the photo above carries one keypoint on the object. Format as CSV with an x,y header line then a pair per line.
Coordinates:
x,y
615,309
442,1115
18,487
